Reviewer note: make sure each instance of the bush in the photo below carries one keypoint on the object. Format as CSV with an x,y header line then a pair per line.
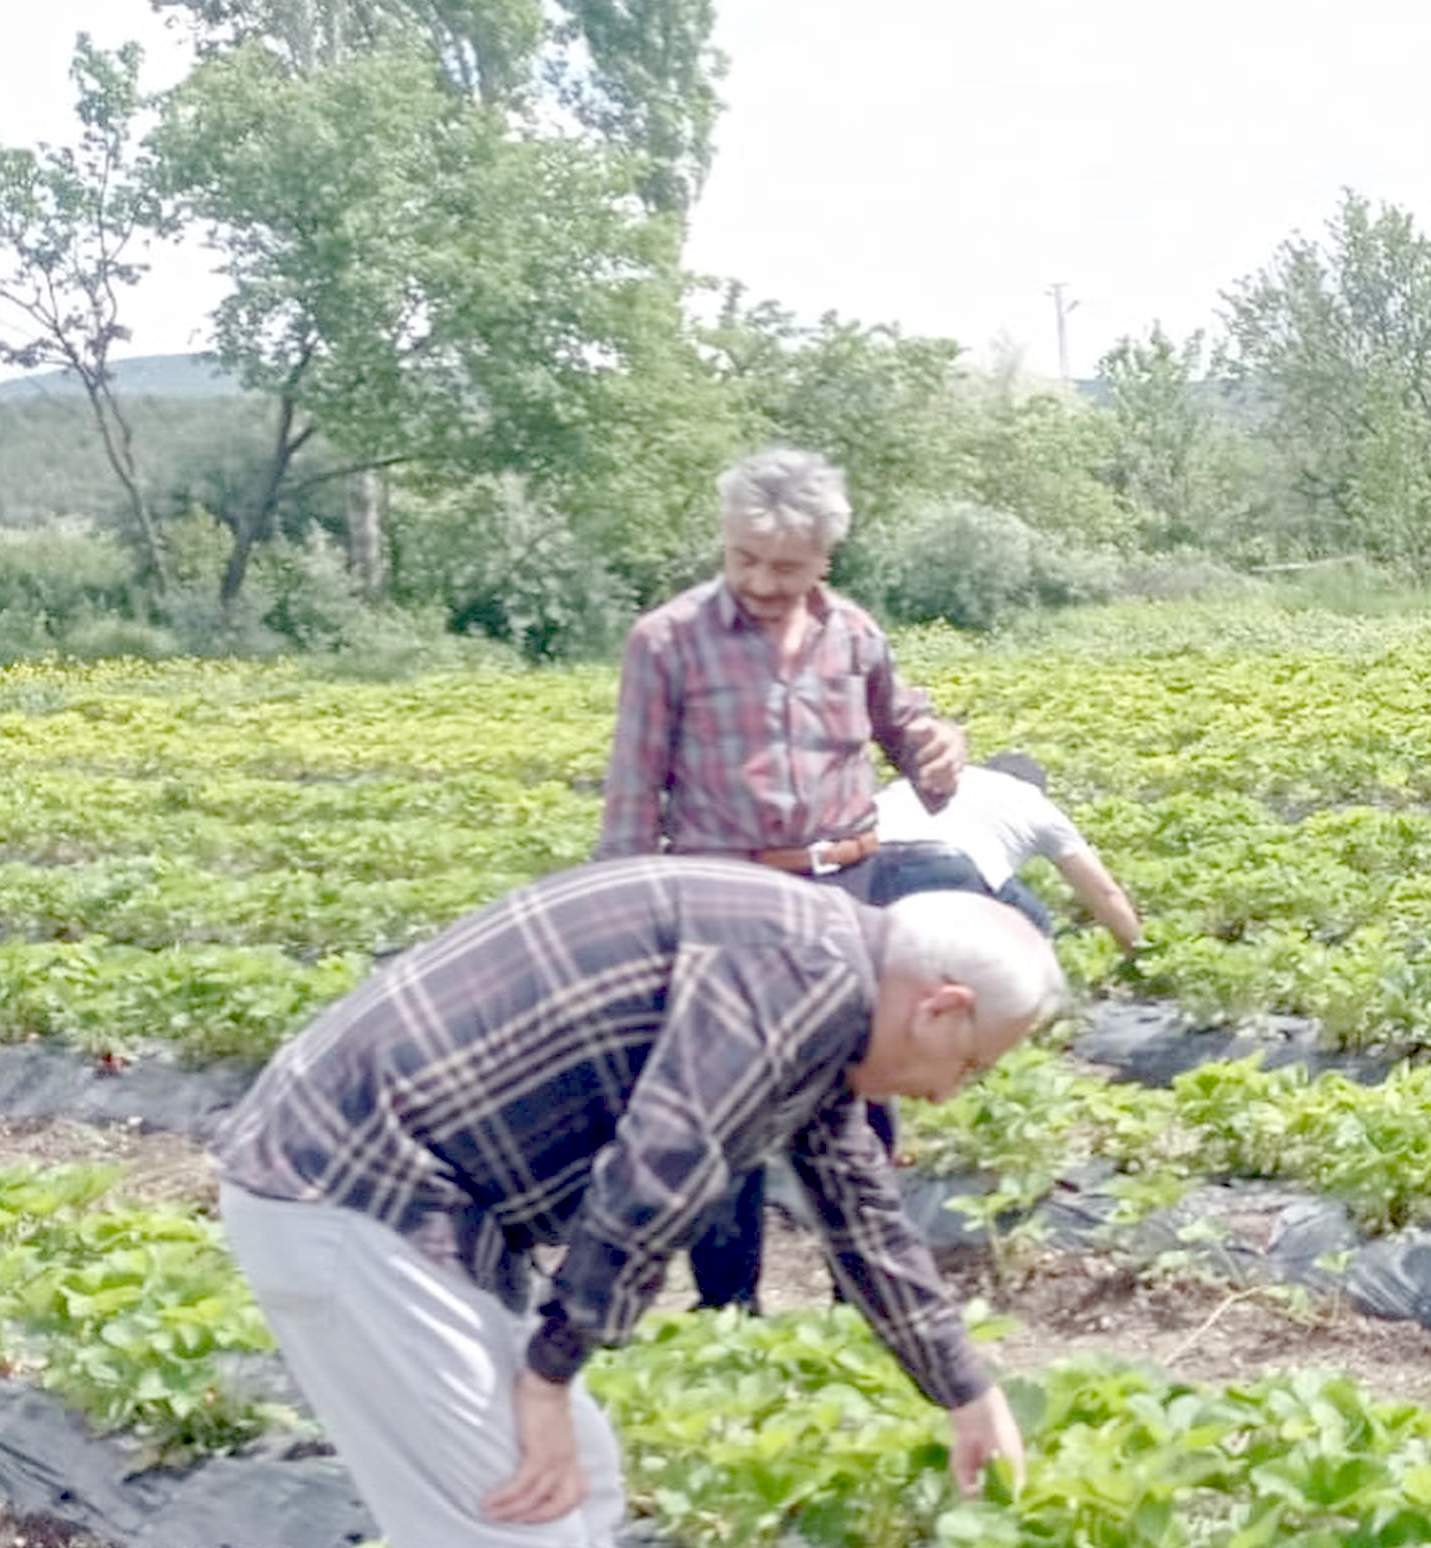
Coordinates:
x,y
55,576
1064,576
505,565
101,637
203,627
959,561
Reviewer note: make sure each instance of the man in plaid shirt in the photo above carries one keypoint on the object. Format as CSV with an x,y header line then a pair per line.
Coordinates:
x,y
747,708
588,1062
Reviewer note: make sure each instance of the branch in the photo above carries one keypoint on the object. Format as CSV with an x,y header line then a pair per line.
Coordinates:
x,y
356,467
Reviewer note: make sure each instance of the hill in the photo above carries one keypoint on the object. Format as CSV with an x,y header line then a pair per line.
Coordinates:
x,y
141,376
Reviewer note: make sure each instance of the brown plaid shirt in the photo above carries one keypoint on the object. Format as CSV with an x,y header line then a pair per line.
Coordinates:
x,y
716,750
591,1060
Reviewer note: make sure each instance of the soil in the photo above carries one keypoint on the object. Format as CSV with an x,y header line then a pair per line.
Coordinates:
x,y
159,1167
42,1532
1073,1303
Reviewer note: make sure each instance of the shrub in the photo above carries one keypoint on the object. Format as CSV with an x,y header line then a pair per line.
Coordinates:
x,y
957,561
96,638
56,575
503,564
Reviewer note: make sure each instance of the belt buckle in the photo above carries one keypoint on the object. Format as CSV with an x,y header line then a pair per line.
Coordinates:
x,y
818,866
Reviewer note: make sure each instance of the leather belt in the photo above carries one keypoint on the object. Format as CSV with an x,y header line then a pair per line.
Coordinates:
x,y
821,859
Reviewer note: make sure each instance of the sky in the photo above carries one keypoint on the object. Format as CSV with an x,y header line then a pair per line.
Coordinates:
x,y
942,164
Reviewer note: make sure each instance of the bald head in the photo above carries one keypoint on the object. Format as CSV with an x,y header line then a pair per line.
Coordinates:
x,y
962,938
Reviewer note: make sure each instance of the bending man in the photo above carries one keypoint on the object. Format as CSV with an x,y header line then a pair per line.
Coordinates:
x,y
1000,818
588,1062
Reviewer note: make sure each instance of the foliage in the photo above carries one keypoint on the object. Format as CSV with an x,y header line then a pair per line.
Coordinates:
x,y
640,74
737,1433
876,401
504,563
1336,337
1046,459
57,578
126,1312
961,562
73,226
1180,463
1034,1118
454,295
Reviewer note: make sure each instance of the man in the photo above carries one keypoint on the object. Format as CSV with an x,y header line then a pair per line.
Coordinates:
x,y
588,1062
747,708
1000,818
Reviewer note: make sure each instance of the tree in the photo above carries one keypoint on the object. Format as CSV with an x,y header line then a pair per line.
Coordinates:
x,y
1175,457
1334,337
410,278
639,74
73,227
875,400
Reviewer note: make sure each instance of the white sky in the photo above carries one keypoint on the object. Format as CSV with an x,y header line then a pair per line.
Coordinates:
x,y
942,163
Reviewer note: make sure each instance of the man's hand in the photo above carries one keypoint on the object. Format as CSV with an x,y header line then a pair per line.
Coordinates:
x,y
984,1429
549,1482
943,751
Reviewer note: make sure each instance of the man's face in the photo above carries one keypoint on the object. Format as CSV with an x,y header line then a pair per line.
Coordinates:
x,y
771,574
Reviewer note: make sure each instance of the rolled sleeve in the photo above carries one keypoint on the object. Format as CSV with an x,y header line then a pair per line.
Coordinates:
x,y
880,1260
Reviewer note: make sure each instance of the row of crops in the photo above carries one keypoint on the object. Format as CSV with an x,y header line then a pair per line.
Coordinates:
x,y
193,858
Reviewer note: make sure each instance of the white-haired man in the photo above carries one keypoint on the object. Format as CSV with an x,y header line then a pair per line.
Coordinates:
x,y
747,710
588,1062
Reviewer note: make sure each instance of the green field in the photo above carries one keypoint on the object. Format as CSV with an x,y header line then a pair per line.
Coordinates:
x,y
199,855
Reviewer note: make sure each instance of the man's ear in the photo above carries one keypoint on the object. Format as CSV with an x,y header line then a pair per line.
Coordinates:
x,y
933,1006
951,997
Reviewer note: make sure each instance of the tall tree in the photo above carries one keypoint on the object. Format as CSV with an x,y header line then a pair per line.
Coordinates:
x,y
74,225
1175,457
1334,337
639,74
409,277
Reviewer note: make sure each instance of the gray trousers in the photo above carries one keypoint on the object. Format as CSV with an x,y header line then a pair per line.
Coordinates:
x,y
410,1368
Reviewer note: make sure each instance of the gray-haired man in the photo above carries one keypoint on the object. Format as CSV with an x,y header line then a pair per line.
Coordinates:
x,y
747,711
588,1062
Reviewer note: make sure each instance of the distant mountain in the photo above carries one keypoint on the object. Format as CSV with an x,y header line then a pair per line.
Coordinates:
x,y
141,376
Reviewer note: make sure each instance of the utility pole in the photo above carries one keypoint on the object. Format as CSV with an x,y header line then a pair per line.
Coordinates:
x,y
1061,309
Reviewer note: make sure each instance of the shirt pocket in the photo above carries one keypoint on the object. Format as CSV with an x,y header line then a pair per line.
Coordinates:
x,y
841,710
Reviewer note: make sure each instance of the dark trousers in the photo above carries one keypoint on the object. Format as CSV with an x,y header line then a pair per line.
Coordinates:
x,y
725,1256
901,869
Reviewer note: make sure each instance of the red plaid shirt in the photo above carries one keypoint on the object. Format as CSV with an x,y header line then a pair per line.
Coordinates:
x,y
715,750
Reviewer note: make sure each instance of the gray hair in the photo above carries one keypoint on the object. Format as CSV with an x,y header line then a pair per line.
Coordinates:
x,y
783,490
962,938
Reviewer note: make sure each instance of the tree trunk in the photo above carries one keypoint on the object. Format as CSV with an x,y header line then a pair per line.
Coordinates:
x,y
367,556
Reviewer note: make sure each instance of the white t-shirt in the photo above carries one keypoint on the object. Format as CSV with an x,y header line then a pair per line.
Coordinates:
x,y
995,819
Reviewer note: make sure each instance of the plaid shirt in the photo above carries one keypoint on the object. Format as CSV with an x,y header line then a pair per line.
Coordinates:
x,y
715,750
591,1060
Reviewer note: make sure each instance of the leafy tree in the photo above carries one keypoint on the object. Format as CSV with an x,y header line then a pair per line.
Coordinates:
x,y
1045,458
875,400
74,223
1335,337
409,277
1177,457
639,74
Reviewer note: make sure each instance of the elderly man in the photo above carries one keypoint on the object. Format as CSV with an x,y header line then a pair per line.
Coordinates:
x,y
747,708
588,1062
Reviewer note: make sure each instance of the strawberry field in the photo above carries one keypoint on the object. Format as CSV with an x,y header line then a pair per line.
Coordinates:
x,y
194,857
